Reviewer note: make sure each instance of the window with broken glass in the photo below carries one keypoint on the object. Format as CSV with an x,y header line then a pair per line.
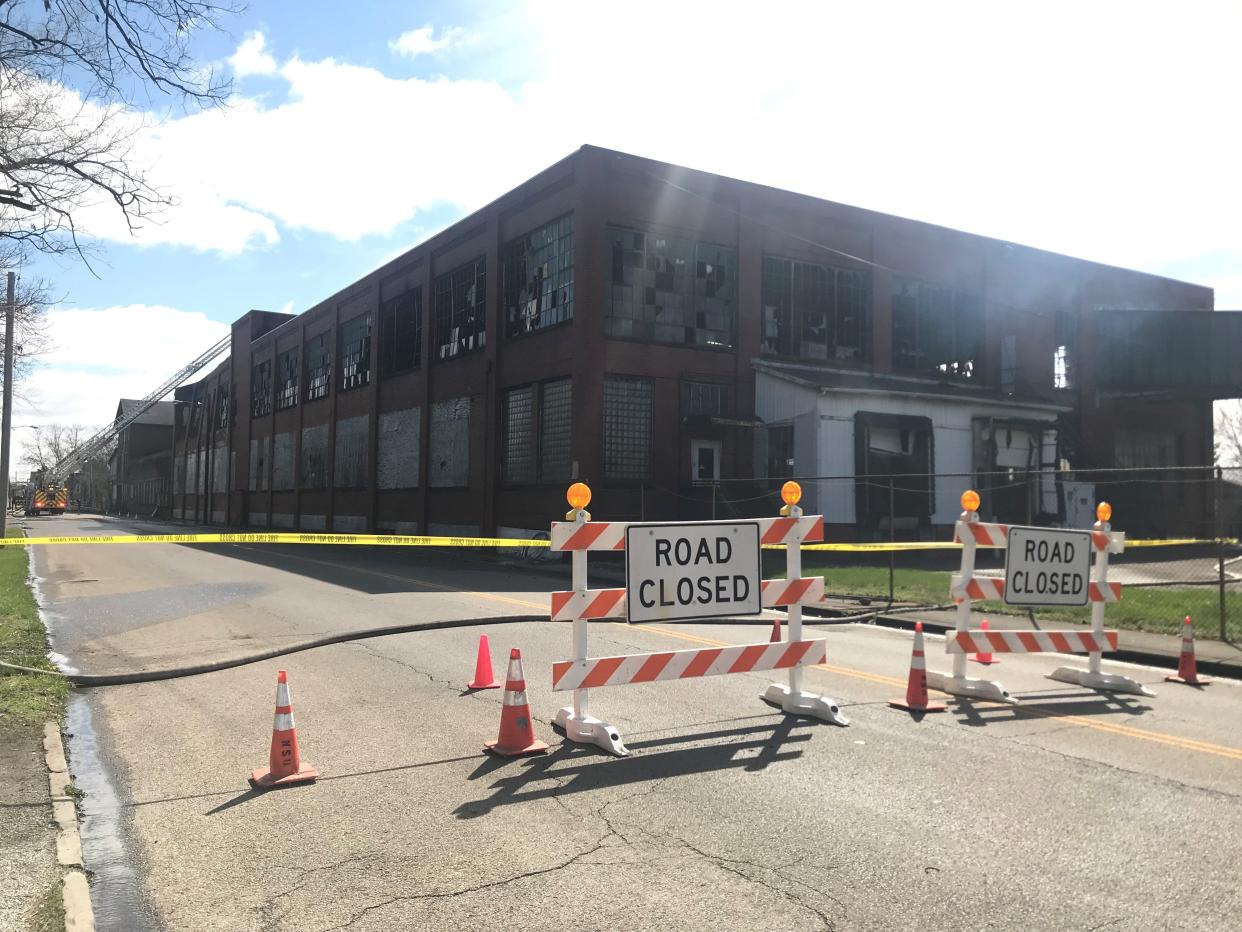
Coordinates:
x,y
937,330
670,290
539,278
287,379
355,343
537,420
318,367
704,399
460,309
261,389
223,407
815,312
401,332
628,414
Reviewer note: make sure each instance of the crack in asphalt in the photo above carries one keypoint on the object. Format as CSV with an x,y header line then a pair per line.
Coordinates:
x,y
265,909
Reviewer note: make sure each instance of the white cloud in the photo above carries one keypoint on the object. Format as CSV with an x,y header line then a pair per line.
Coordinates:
x,y
250,57
105,354
1027,122
421,41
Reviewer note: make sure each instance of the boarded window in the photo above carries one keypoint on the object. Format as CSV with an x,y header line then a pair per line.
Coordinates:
x,y
349,466
191,473
815,311
355,353
401,332
460,309
450,443
318,367
539,278
287,379
397,458
313,473
261,389
259,450
282,461
220,468
178,474
670,290
628,409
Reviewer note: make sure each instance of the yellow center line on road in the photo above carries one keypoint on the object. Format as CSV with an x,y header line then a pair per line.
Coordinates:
x,y
1155,737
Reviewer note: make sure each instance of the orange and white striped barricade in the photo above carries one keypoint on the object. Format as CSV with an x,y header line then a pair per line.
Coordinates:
x,y
579,535
965,587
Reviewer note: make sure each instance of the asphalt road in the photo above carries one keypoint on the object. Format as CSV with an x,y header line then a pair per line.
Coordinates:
x,y
1076,810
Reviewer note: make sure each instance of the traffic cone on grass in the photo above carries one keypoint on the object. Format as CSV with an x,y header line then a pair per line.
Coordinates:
x,y
484,678
982,657
776,631
1186,671
916,686
517,735
285,766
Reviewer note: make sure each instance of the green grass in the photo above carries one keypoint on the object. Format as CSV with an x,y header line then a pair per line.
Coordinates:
x,y
25,698
1159,609
49,912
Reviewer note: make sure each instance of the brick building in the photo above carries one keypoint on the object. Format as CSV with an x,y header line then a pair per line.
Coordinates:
x,y
141,466
654,329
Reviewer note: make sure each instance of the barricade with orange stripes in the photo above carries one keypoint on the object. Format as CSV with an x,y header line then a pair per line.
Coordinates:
x,y
579,535
965,587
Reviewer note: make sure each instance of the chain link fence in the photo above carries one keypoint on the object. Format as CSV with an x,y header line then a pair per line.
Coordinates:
x,y
1182,528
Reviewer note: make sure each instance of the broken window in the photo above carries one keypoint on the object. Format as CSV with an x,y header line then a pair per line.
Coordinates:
x,y
282,462
815,312
780,461
937,330
223,407
261,389
537,418
1062,364
670,290
313,473
401,332
1009,364
397,456
461,309
349,465
450,443
355,354
704,399
628,413
893,466
287,379
318,367
539,278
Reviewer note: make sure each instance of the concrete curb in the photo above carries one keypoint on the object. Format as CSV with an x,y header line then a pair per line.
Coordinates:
x,y
76,891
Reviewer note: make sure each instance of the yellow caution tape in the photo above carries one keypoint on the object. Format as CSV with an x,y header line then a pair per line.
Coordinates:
x,y
395,540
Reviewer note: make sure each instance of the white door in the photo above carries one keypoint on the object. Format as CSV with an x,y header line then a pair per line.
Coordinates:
x,y
704,460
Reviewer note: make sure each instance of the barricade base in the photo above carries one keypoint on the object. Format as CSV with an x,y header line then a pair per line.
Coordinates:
x,y
590,730
969,687
1108,682
823,708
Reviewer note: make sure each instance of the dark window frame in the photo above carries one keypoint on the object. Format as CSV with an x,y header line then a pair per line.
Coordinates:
x,y
953,320
538,300
317,370
288,371
540,473
261,389
789,286
354,359
401,329
460,323
688,390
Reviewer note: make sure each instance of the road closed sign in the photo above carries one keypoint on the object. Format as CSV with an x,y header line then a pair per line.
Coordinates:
x,y
1045,566
680,571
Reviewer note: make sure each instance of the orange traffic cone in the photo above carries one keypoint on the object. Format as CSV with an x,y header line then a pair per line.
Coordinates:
x,y
916,685
776,631
285,765
1186,671
517,735
484,678
982,657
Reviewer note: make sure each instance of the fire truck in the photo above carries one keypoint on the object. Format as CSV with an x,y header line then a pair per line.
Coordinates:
x,y
45,497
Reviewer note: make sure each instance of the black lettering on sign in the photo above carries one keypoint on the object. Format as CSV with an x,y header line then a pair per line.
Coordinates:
x,y
741,588
704,553
724,550
662,546
1030,549
681,551
643,598
705,590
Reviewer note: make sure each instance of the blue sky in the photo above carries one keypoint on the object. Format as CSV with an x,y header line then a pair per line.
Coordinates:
x,y
1102,130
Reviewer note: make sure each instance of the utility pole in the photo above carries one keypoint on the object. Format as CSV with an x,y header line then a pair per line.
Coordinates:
x,y
7,424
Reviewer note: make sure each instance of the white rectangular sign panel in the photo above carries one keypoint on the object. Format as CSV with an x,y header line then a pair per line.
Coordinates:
x,y
702,570
1046,566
